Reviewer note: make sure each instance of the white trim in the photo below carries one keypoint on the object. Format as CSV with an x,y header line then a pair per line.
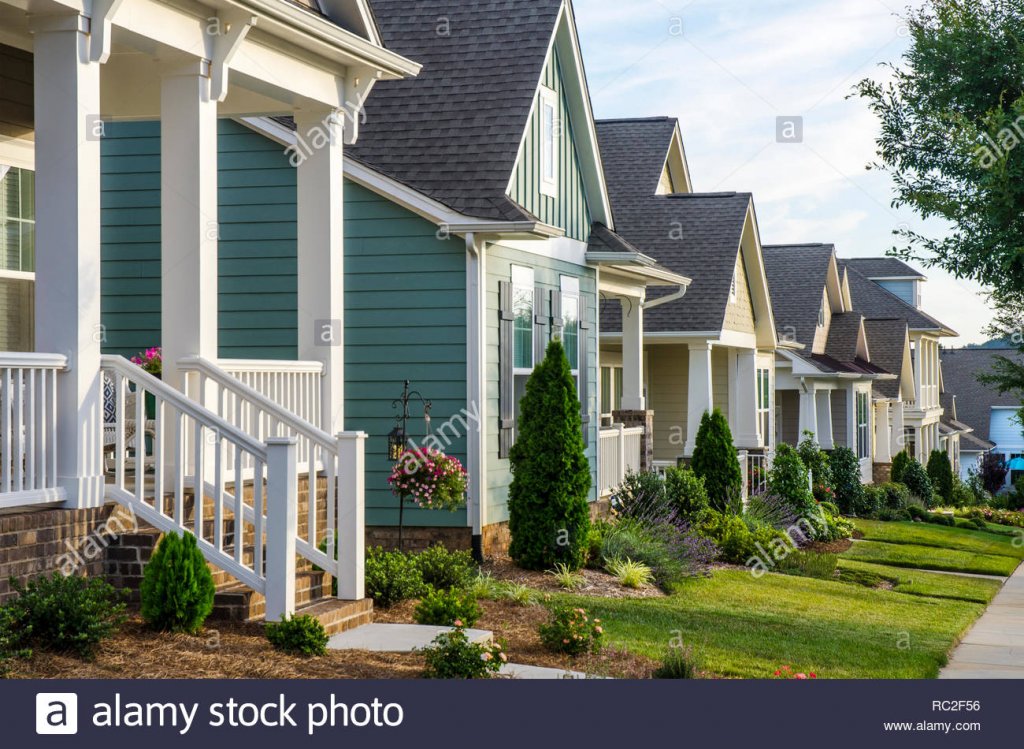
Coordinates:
x,y
521,284
17,275
565,249
18,152
549,159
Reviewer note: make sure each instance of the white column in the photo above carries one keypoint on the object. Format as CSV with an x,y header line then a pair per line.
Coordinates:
x,y
321,286
700,398
918,373
823,404
808,414
67,289
351,515
282,526
883,435
633,354
189,229
476,382
744,393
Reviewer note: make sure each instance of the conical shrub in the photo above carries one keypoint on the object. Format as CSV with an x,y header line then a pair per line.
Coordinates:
x,y
715,460
177,588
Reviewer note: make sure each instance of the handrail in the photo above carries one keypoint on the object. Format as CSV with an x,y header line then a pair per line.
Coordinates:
x,y
306,429
266,365
20,359
187,406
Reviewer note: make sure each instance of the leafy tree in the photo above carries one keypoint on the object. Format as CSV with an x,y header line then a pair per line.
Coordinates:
x,y
899,466
788,480
548,514
846,480
177,587
940,471
915,477
715,460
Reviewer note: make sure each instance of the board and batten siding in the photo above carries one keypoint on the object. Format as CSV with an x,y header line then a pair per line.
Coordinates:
x,y
569,210
405,318
547,274
257,242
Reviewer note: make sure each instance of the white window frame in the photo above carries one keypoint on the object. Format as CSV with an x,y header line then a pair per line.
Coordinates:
x,y
863,428
569,286
523,283
549,141
764,408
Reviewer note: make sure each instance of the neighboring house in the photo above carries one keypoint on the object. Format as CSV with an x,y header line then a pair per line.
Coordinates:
x,y
167,229
472,240
713,348
915,421
825,371
994,416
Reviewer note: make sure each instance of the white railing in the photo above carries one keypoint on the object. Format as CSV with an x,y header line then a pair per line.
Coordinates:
x,y
337,458
754,467
618,453
295,386
28,428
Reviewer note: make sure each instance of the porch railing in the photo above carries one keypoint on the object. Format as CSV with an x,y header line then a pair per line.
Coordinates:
x,y
28,428
338,459
618,453
754,467
295,386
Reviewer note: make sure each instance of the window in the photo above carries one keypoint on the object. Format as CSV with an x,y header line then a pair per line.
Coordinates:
x,y
910,441
821,314
863,431
17,220
764,402
549,142
611,392
522,304
733,286
570,288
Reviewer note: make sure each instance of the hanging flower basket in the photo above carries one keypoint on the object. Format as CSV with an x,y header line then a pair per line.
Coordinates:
x,y
431,479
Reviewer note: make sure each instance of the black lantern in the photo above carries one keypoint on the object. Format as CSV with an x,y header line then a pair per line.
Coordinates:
x,y
396,443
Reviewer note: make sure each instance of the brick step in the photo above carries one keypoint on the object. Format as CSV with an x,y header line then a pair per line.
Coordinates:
x,y
340,616
239,603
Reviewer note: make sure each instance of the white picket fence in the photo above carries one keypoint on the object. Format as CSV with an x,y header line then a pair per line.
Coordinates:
x,y
28,428
618,453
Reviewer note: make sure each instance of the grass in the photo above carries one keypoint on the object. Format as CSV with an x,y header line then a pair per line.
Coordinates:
x,y
748,627
925,534
929,584
931,558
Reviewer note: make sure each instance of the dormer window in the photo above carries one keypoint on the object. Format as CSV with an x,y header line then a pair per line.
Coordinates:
x,y
549,142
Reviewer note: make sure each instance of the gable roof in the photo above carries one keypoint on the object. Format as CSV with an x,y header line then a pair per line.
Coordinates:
x,y
876,303
885,267
888,343
797,275
844,336
634,152
696,235
975,401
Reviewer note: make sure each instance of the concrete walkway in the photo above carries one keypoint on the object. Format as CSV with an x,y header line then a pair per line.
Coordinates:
x,y
397,638
994,647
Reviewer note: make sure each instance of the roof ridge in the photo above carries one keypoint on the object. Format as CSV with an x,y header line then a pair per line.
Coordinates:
x,y
611,120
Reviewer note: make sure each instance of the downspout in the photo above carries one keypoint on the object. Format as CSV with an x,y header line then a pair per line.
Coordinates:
x,y
476,402
674,296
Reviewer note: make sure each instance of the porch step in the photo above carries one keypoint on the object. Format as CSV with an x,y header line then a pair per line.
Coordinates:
x,y
340,616
236,602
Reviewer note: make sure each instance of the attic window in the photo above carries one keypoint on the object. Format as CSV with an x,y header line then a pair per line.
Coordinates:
x,y
549,142
733,285
821,314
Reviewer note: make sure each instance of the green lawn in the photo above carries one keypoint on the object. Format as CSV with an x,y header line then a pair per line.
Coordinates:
x,y
931,558
926,534
748,627
931,584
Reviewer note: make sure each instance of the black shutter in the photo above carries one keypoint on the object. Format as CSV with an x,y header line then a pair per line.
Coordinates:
x,y
506,381
557,323
541,319
584,367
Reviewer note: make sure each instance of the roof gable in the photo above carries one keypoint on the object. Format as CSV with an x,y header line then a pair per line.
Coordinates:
x,y
876,303
877,268
798,278
635,153
354,15
889,344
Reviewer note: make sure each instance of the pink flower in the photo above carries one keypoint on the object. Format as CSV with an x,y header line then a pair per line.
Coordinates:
x,y
486,657
800,676
458,622
598,630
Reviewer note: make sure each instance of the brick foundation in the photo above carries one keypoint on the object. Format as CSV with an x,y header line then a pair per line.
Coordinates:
x,y
41,542
881,473
644,419
417,539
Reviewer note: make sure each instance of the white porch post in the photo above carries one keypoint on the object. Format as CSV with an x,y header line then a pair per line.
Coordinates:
x,y
883,444
918,372
633,354
322,257
745,395
823,406
700,397
808,413
67,304
189,229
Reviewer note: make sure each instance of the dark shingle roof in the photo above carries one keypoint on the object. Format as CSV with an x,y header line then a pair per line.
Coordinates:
x,y
887,342
453,132
843,335
974,401
697,236
883,267
603,239
796,281
634,153
875,303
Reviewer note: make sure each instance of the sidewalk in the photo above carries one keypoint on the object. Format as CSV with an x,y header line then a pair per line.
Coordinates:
x,y
994,647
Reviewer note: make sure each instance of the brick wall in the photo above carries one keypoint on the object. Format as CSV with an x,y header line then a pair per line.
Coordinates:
x,y
881,473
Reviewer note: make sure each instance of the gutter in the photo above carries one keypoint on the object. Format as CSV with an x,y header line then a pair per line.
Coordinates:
x,y
674,296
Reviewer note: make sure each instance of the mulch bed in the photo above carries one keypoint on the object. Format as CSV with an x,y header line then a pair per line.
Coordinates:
x,y
596,582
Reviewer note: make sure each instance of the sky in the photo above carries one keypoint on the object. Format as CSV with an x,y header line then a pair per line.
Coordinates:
x,y
728,69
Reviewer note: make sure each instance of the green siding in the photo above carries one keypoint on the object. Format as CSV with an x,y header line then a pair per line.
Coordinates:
x,y
547,273
405,318
257,247
569,210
